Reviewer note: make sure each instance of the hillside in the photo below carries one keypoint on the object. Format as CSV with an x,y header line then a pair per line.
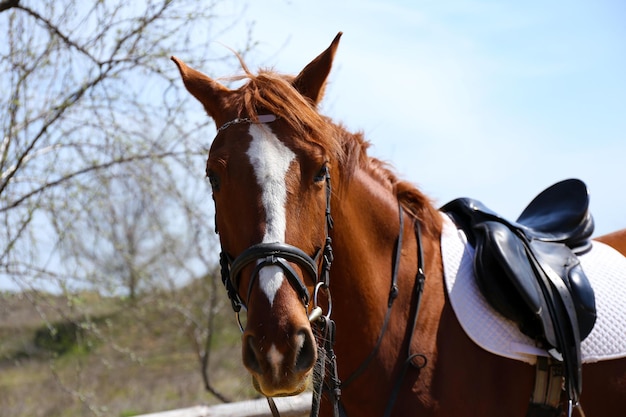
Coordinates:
x,y
92,355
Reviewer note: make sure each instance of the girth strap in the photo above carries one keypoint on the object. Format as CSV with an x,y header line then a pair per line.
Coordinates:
x,y
546,398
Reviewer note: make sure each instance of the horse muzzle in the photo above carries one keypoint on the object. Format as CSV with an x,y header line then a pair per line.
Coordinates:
x,y
280,366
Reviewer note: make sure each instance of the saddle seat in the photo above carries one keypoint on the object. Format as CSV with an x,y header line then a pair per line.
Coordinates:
x,y
560,214
529,272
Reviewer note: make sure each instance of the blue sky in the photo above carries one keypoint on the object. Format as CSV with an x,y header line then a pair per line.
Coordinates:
x,y
494,100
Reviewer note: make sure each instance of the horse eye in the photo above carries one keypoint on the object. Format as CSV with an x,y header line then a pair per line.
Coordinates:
x,y
321,174
213,180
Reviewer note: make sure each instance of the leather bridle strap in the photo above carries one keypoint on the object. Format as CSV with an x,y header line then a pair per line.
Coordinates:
x,y
270,254
279,254
393,294
420,281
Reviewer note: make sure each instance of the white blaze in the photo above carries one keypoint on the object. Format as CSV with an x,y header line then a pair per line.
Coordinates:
x,y
271,159
275,358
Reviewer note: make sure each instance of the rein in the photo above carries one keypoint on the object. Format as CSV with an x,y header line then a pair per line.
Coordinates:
x,y
280,254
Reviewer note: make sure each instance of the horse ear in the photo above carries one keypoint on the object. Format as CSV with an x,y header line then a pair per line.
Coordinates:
x,y
208,91
312,79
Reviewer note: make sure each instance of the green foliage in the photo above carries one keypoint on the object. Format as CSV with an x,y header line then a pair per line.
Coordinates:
x,y
58,338
65,337
129,413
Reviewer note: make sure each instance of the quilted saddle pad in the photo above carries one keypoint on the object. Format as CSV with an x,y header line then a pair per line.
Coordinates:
x,y
605,268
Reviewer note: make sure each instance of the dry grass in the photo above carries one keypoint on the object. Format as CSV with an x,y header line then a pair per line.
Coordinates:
x,y
127,359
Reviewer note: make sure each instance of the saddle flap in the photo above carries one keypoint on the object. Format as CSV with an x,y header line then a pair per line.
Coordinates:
x,y
567,267
507,280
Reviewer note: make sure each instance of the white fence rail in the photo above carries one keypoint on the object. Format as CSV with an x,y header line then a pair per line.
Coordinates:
x,y
298,406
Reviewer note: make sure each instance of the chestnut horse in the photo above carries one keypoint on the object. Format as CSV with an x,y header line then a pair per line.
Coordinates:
x,y
271,167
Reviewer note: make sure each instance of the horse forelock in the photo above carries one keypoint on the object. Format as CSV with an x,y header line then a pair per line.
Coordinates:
x,y
269,92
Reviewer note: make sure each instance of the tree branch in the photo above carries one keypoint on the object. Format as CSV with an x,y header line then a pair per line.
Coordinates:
x,y
54,29
205,356
56,114
7,4
86,170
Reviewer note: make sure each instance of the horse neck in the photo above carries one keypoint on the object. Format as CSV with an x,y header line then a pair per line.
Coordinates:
x,y
364,243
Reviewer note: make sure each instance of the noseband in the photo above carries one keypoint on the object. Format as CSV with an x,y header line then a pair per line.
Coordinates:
x,y
278,254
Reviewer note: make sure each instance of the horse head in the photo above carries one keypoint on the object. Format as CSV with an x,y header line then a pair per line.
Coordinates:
x,y
269,168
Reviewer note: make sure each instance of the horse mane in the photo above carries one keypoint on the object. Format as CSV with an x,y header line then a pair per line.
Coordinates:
x,y
273,93
414,202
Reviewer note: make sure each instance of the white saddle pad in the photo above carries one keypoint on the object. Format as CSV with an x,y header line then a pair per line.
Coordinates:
x,y
605,268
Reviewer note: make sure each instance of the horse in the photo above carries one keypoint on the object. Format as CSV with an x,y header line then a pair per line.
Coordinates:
x,y
315,230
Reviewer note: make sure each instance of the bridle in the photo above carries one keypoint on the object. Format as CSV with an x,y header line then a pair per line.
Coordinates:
x,y
281,254
266,254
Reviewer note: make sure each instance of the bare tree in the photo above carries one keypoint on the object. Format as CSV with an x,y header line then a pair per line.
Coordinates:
x,y
101,165
88,89
132,233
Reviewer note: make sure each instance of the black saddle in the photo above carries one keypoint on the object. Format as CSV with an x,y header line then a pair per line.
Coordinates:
x,y
529,272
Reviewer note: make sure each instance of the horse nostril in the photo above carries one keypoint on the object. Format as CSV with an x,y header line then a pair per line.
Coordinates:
x,y
251,355
306,356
